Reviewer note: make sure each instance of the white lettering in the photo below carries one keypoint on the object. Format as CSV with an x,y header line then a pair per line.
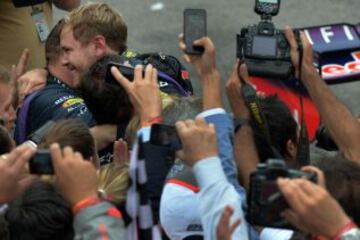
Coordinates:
x,y
163,84
326,33
348,33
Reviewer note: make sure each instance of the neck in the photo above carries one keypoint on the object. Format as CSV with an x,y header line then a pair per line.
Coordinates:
x,y
110,51
61,73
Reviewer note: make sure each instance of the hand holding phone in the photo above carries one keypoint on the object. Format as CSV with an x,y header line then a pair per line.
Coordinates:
x,y
41,163
194,28
165,136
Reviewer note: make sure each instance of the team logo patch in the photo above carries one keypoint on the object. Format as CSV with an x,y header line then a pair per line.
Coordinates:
x,y
71,102
185,74
130,54
194,228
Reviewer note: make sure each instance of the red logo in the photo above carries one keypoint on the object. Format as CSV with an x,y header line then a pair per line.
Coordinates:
x,y
184,74
336,70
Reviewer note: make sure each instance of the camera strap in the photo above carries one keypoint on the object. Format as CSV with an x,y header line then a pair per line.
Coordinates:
x,y
253,104
303,151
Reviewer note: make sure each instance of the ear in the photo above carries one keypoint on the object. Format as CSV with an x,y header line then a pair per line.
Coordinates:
x,y
291,150
99,43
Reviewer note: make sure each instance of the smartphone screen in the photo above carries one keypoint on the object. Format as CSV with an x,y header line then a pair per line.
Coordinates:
x,y
165,136
194,28
41,163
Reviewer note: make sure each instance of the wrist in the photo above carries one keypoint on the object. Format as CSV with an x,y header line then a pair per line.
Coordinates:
x,y
309,73
211,91
200,157
349,225
238,106
239,122
151,121
242,112
210,76
85,202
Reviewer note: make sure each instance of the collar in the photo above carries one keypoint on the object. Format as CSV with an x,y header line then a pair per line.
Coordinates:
x,y
54,80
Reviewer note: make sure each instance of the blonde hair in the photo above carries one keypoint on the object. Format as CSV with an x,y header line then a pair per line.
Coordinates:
x,y
114,181
93,19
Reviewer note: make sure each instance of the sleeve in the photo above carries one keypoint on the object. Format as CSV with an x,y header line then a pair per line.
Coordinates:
x,y
224,132
100,221
274,233
215,193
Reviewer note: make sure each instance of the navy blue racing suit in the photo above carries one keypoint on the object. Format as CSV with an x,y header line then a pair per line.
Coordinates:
x,y
55,101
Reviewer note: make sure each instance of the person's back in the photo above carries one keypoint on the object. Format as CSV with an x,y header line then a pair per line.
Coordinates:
x,y
56,101
18,31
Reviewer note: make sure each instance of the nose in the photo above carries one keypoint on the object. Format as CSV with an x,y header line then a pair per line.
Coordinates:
x,y
64,59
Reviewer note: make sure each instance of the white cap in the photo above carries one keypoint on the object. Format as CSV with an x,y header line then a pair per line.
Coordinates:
x,y
179,210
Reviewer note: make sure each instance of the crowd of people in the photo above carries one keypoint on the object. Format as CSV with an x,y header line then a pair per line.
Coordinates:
x,y
108,180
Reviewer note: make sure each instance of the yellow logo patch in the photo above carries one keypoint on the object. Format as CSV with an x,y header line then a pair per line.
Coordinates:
x,y
71,102
130,54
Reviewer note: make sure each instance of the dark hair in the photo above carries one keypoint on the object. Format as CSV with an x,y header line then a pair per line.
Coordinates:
x,y
4,228
282,127
343,183
52,45
6,144
108,102
40,213
73,133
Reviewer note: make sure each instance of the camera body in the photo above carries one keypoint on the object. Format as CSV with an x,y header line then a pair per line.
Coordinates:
x,y
263,48
265,202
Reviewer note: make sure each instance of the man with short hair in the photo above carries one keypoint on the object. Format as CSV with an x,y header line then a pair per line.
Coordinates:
x,y
58,100
91,32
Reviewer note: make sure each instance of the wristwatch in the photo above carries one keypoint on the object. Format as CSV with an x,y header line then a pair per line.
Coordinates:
x,y
352,234
239,122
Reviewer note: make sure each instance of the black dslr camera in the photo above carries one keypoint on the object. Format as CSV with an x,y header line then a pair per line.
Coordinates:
x,y
264,48
265,202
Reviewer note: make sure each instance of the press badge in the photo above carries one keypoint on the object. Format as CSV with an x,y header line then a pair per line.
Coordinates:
x,y
39,20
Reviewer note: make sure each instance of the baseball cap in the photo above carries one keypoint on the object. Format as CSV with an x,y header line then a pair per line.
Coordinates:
x,y
179,210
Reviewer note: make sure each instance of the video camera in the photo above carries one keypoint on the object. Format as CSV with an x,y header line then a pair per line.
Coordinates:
x,y
263,48
265,202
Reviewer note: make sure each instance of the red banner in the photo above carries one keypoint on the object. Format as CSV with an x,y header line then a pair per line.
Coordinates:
x,y
291,99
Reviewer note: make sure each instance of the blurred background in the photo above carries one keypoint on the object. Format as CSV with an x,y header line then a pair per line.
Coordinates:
x,y
154,26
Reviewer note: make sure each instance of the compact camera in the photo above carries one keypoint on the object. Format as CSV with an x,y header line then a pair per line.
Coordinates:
x,y
265,202
263,48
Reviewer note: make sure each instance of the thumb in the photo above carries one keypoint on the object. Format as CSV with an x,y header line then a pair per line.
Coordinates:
x,y
56,156
201,41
